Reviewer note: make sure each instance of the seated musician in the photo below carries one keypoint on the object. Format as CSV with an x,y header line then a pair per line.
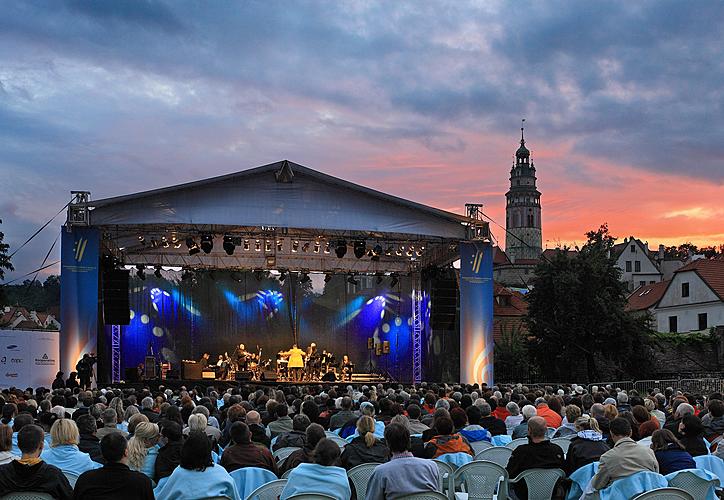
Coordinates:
x,y
204,361
347,368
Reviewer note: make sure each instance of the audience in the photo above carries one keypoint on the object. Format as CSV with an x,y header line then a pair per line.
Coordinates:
x,y
493,425
283,422
6,445
521,429
169,454
63,451
691,432
587,446
514,419
322,475
670,453
446,441
244,453
315,433
89,442
296,437
366,447
110,424
344,415
143,448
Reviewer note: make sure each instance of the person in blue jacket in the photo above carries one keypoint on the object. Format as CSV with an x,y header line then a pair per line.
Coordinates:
x,y
64,452
670,453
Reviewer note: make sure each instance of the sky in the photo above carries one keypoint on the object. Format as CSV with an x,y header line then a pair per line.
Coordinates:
x,y
622,101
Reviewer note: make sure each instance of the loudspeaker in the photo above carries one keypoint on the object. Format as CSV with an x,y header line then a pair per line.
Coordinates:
x,y
132,374
444,299
244,376
386,347
116,307
370,343
172,374
190,371
149,367
378,349
269,376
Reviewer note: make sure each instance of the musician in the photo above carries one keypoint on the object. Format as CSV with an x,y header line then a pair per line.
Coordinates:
x,y
296,362
204,361
222,366
242,357
347,368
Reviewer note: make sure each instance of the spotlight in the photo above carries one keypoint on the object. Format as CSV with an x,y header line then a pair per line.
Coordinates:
x,y
410,251
359,249
157,272
257,246
377,250
165,244
229,244
399,250
177,244
420,251
282,276
328,277
267,246
327,249
305,247
207,242
389,251
154,243
141,239
341,249
192,246
295,246
395,280
140,271
174,238
305,278
351,280
246,245
280,244
317,247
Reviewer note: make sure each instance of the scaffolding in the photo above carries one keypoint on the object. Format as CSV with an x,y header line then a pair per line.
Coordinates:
x,y
116,353
416,331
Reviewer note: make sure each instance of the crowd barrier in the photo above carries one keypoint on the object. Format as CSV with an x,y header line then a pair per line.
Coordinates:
x,y
692,385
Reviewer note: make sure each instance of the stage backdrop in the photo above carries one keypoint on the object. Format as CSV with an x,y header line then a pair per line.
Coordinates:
x,y
215,311
28,358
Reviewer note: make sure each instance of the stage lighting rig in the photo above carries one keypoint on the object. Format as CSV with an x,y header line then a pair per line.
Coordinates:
x,y
295,246
359,249
305,278
282,276
207,242
140,271
246,245
351,280
280,245
154,243
192,246
327,248
141,239
395,280
399,250
328,277
229,244
317,247
267,246
157,272
341,249
389,251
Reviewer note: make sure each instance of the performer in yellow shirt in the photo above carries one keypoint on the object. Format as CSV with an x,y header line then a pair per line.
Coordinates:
x,y
296,362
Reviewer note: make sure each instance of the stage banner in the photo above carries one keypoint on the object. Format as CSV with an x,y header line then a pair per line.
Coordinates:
x,y
28,358
78,294
476,312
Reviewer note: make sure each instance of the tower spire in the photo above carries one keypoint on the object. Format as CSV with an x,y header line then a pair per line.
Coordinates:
x,y
522,139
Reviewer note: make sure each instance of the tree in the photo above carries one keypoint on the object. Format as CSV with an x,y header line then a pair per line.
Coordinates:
x,y
4,263
577,317
512,357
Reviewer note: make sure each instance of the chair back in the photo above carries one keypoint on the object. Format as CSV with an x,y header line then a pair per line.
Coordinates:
x,y
360,477
268,491
665,494
72,478
481,480
497,454
635,484
282,453
311,496
479,446
445,472
563,442
249,479
540,482
698,483
286,473
580,479
712,463
27,495
516,442
428,495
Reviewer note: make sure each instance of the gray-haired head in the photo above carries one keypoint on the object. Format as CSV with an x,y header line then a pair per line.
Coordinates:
x,y
622,398
513,408
147,403
442,403
529,411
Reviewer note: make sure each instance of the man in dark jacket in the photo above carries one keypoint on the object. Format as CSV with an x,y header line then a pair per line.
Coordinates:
x,y
30,473
114,481
258,432
283,422
364,450
344,415
244,453
714,420
83,410
297,438
315,433
169,455
539,453
89,442
494,426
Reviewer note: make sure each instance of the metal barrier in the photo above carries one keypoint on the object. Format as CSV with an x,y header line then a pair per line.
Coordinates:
x,y
701,385
644,386
625,385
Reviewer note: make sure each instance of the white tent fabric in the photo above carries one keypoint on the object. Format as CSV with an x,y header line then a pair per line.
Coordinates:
x,y
281,194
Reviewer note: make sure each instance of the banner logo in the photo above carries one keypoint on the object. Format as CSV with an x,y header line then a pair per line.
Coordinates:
x,y
79,248
12,347
477,260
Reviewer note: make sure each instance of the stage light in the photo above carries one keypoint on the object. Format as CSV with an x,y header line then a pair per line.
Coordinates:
x,y
305,247
257,246
395,280
410,251
192,246
305,278
246,245
420,251
351,280
377,250
317,247
328,277
380,277
140,271
259,275
282,276
207,242
267,246
359,249
399,250
341,249
295,246
154,243
141,239
165,244
327,249
157,272
177,244
174,238
280,244
229,244
389,251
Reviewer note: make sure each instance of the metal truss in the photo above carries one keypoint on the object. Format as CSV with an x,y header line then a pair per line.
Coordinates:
x,y
116,353
416,332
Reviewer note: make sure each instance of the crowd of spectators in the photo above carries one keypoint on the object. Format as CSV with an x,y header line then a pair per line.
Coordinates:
x,y
183,443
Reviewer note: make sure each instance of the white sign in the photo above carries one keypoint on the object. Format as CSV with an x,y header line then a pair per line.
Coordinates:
x,y
28,358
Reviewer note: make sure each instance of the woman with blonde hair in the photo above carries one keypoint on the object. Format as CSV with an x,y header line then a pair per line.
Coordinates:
x,y
63,451
610,411
365,448
130,411
587,446
6,445
117,404
143,448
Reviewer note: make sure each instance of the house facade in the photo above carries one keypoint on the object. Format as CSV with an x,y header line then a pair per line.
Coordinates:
x,y
634,260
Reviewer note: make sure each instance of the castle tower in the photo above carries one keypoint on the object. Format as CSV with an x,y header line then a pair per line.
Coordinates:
x,y
523,211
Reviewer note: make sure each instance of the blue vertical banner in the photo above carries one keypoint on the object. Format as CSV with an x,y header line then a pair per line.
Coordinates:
x,y
476,312
78,294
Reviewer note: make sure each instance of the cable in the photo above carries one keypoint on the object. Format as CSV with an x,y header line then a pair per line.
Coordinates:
x,y
31,272
41,228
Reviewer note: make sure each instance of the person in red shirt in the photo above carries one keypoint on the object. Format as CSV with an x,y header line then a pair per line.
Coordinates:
x,y
552,418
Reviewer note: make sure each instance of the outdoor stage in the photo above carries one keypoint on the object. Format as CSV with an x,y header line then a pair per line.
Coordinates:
x,y
275,256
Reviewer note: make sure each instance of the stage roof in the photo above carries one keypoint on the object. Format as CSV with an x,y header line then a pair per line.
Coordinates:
x,y
274,201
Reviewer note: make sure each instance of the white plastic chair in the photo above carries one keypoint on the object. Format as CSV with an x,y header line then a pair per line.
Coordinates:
x,y
516,442
268,491
445,472
428,495
479,446
698,483
248,479
664,494
497,454
563,442
540,482
311,496
27,495
336,439
480,481
360,477
282,453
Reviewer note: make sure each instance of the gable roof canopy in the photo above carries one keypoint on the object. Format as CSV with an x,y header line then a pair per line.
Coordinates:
x,y
271,201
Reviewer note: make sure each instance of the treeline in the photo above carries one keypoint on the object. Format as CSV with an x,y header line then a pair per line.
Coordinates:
x,y
33,295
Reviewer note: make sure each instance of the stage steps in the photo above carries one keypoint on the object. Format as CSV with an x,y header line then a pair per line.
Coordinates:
x,y
368,378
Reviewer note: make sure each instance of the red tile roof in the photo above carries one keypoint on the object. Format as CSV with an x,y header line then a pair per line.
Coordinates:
x,y
508,303
647,296
711,271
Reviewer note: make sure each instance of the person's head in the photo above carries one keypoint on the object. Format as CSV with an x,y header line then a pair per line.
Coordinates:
x,y
145,436
171,430
240,433
31,440
110,418
620,428
136,419
484,408
691,425
444,426
63,432
683,410
572,413
397,438
528,412
300,422
6,437
664,439
610,411
196,452
512,408
197,422
21,421
114,447
597,410
129,412
716,408
87,425
281,410
647,428
326,452
366,428
147,403
414,412
641,414
315,433
346,403
253,417
586,423
537,428
367,408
